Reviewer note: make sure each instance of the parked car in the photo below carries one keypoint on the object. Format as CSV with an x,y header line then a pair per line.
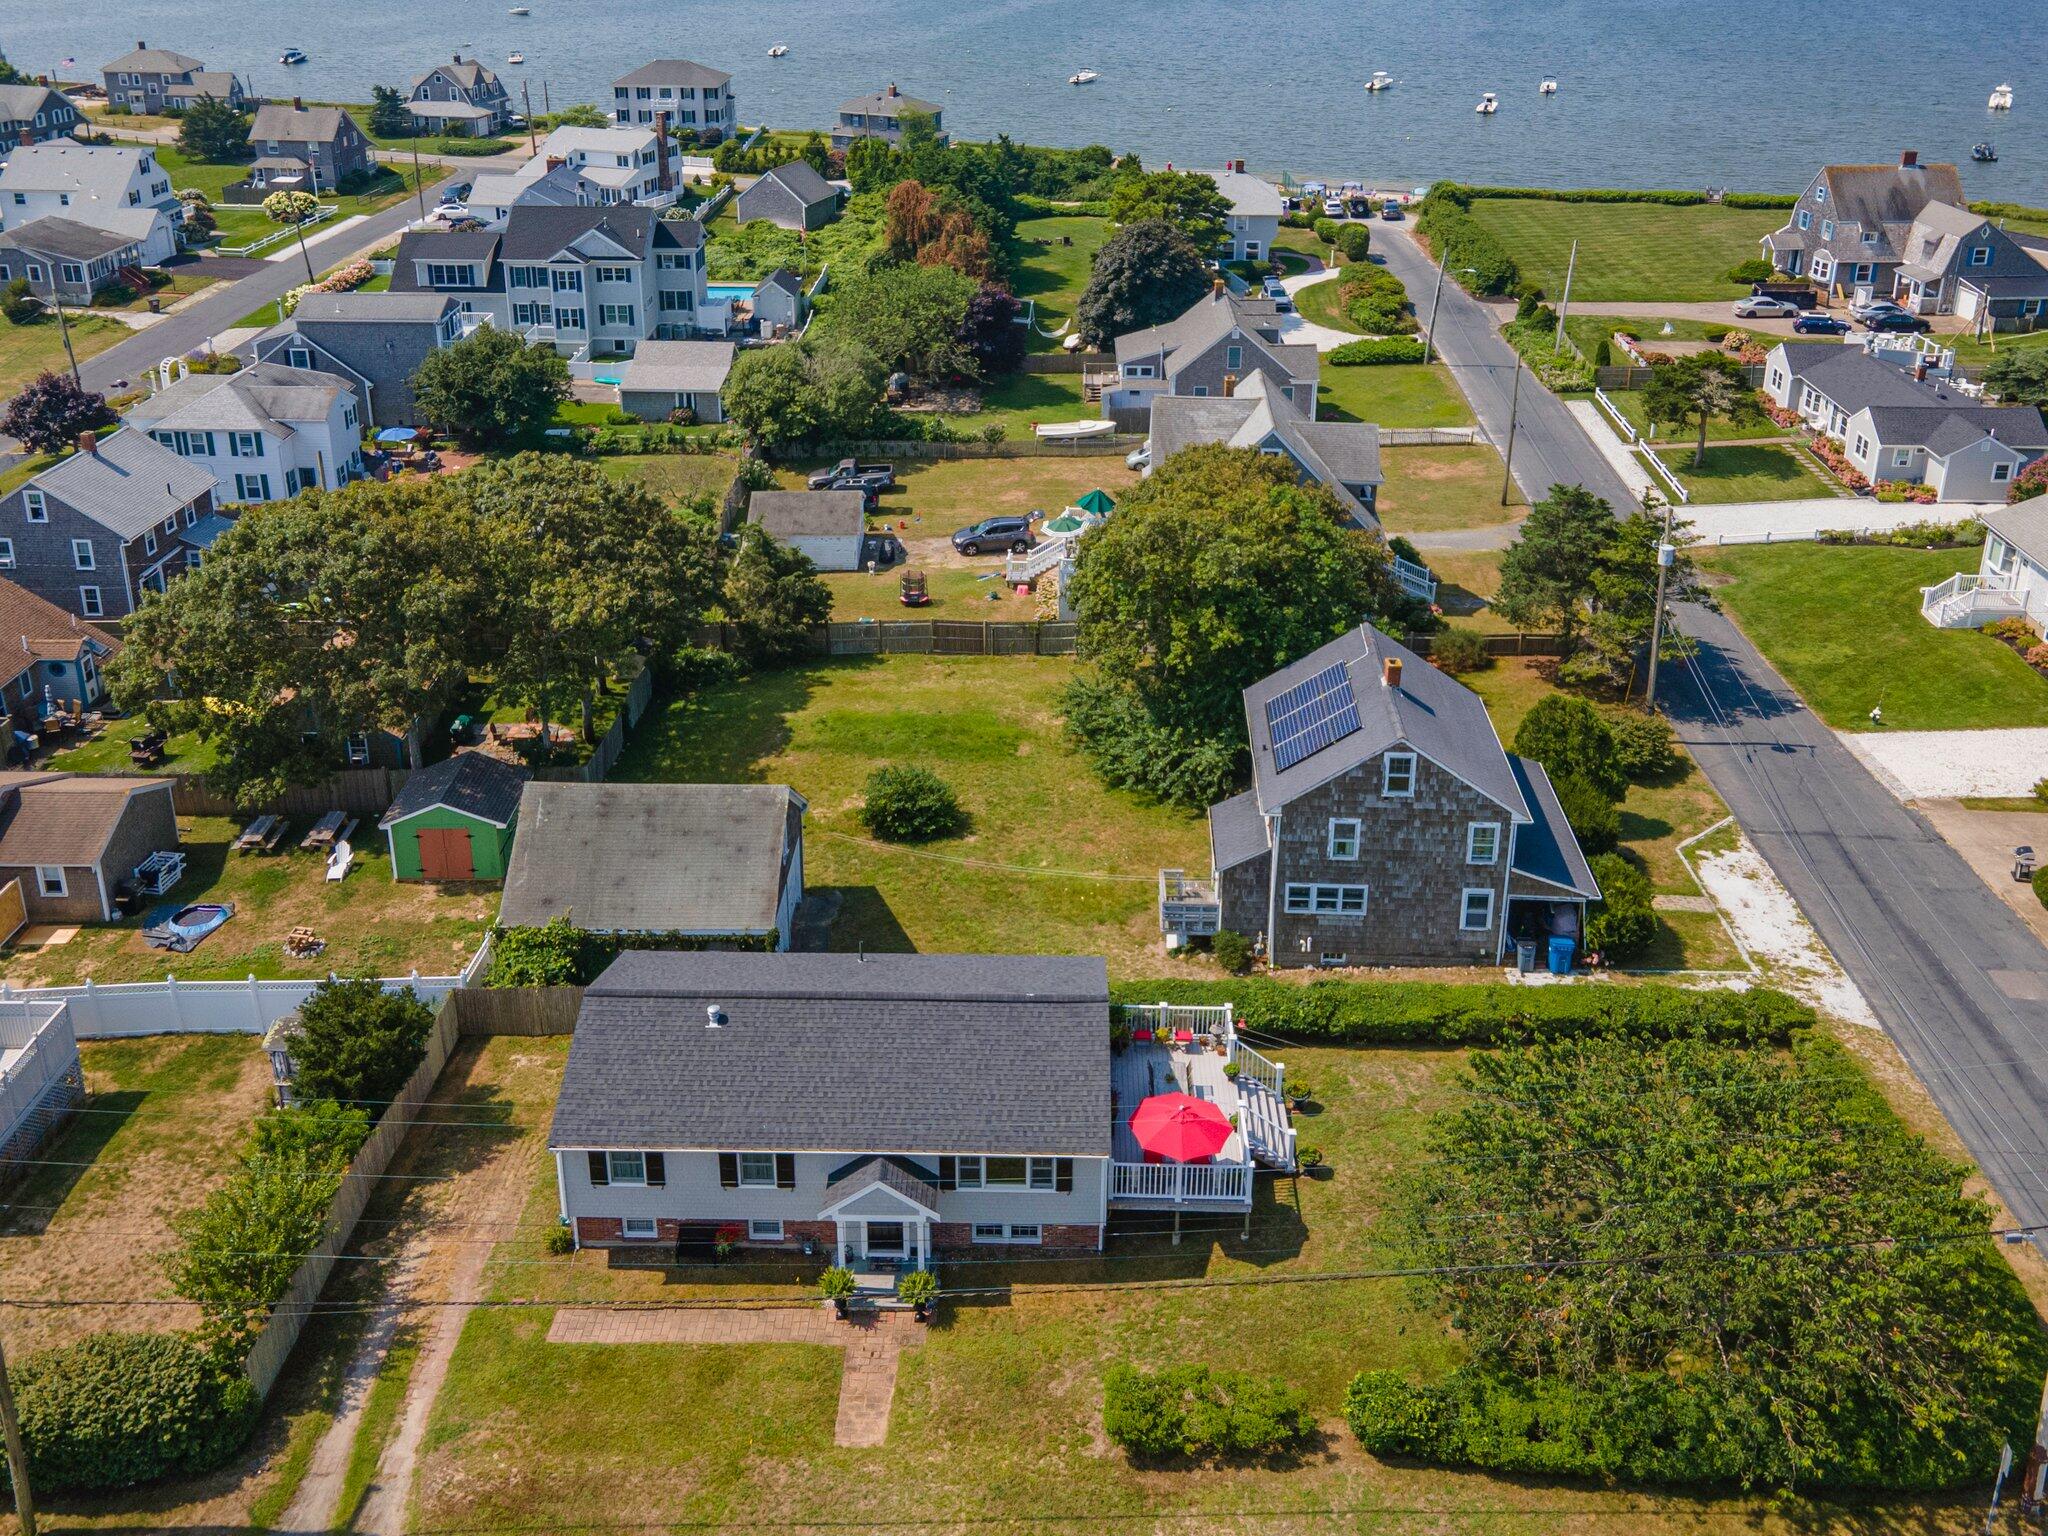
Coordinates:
x,y
1139,458
1334,207
1868,308
1896,320
1761,306
1820,325
850,474
995,533
1391,211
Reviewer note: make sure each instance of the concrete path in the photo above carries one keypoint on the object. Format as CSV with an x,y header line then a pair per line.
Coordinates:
x,y
1497,536
1303,332
1985,841
1917,765
1764,522
872,1342
1616,452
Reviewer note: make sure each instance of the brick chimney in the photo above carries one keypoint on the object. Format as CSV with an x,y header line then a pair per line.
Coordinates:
x,y
1390,672
555,160
88,442
662,178
458,55
1229,385
140,45
1216,289
1920,369
1237,166
892,89
1909,160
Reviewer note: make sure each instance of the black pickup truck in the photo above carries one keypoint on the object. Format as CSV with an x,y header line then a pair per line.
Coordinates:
x,y
851,475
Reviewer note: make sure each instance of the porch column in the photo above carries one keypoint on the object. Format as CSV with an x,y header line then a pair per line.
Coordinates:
x,y
839,1244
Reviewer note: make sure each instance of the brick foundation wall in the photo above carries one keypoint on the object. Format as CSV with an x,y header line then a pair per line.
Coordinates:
x,y
604,1231
955,1240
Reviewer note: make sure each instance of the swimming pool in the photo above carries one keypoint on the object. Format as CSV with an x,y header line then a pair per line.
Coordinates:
x,y
730,293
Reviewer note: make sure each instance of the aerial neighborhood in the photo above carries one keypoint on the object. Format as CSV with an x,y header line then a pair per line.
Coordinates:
x,y
1058,837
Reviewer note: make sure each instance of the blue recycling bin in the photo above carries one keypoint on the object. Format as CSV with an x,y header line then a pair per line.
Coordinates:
x,y
1561,955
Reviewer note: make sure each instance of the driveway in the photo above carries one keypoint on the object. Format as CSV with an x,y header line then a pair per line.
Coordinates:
x,y
1985,841
1304,332
1949,764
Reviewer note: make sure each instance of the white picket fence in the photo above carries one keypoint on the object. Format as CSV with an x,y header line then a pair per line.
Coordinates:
x,y
248,1007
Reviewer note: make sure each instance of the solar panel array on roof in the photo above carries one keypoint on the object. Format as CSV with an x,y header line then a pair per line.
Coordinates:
x,y
1311,716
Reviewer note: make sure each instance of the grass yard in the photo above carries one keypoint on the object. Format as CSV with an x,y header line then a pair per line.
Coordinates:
x,y
1051,270
675,477
165,1115
1629,252
238,224
1076,863
1324,304
1630,403
1843,625
38,347
1753,472
1972,352
1021,400
108,751
370,921
1393,395
1428,490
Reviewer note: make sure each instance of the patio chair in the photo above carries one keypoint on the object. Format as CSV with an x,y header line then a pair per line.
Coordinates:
x,y
1144,1035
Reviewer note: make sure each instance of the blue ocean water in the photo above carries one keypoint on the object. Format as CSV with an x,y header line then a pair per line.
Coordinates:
x,y
1749,94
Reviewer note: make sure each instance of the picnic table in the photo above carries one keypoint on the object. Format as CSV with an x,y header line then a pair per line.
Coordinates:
x,y
264,833
147,750
324,831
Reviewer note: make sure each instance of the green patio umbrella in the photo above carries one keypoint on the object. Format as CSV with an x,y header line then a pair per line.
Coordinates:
x,y
1097,502
1065,523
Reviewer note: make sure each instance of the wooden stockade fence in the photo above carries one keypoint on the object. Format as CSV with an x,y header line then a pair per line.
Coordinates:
x,y
274,1344
517,1010
1023,448
926,637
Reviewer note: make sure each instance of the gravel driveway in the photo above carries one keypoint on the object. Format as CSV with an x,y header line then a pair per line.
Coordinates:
x,y
1947,765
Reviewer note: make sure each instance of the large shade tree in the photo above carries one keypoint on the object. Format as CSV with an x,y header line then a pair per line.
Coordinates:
x,y
1187,200
1145,274
491,389
1697,391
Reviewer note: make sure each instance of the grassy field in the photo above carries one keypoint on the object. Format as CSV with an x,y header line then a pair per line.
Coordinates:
x,y
1393,395
1755,472
240,224
1053,272
1025,398
1324,304
1430,489
109,751
1629,252
1843,625
1630,403
38,347
674,477
370,921
1073,863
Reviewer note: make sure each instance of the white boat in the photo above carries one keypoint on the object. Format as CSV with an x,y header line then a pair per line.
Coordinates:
x,y
1084,77
1071,429
1488,105
778,51
1380,81
1547,88
515,57
2001,98
520,10
291,56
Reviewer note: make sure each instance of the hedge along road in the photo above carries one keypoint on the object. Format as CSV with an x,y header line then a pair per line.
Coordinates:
x,y
1949,969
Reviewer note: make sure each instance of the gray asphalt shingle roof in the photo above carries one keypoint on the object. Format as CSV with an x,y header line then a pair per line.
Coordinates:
x,y
128,484
805,184
1545,847
55,236
685,366
784,279
263,396
909,1054
372,308
474,783
649,858
1338,454
1237,831
797,514
889,103
681,72
312,125
144,60
2023,526
893,1173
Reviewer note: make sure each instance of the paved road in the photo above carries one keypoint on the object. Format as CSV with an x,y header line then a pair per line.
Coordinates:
x,y
1959,983
221,306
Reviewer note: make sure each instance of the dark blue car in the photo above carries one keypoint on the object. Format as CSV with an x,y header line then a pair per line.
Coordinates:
x,y
1820,325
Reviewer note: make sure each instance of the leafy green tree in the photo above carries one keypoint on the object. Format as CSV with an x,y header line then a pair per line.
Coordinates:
x,y
1698,391
2019,376
1624,603
772,600
1595,819
240,1249
1187,200
909,317
9,75
1546,575
822,389
1569,736
293,209
1145,274
315,1129
50,411
1622,925
816,153
871,165
552,954
582,115
390,118
358,1043
213,131
491,390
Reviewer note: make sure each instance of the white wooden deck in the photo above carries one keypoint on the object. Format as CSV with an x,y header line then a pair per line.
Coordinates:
x,y
1148,1069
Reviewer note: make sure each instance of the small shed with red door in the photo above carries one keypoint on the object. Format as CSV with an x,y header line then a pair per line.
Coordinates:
x,y
454,821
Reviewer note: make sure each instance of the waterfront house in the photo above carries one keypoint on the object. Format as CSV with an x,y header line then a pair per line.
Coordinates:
x,y
455,820
462,98
537,184
669,376
116,187
73,840
1385,825
149,80
1957,262
1220,342
880,115
48,658
1848,232
376,341
62,258
321,145
793,196
31,113
264,434
694,96
1344,456
1253,222
827,527
1905,421
2011,579
94,531
616,165
703,863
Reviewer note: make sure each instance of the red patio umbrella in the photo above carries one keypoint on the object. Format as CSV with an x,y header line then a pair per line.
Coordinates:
x,y
1179,1127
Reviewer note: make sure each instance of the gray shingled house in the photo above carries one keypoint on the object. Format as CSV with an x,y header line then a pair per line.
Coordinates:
x,y
1848,231
462,97
324,141
1342,455
880,114
30,113
67,259
669,376
793,196
698,863
376,341
879,1108
1385,824
149,79
1218,343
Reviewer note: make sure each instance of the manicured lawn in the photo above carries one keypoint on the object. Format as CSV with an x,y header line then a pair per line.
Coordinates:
x,y
1843,625
30,466
1323,303
239,224
166,1115
1392,395
370,921
675,477
1754,472
1969,350
1052,271
1588,331
1086,857
1026,398
38,347
1630,403
1430,489
1629,252
108,751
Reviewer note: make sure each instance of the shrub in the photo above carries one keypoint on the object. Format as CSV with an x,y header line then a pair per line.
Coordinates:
x,y
1446,1013
116,1409
2037,655
1233,951
908,804
1645,750
1458,651
358,1043
559,1242
1376,301
1754,270
1326,230
241,1248
1622,924
319,1130
552,954
1371,351
20,306
2041,886
1594,819
1571,739
2031,481
1462,241
1192,1410
2041,790
1603,354
919,1288
1130,750
1354,241
836,1283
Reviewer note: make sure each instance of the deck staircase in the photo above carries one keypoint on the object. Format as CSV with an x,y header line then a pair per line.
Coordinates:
x,y
1262,1109
1036,561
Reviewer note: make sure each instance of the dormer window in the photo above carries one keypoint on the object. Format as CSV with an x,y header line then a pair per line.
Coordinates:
x,y
1820,193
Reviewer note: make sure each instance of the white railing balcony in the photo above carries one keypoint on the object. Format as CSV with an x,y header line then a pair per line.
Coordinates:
x,y
1036,561
1188,907
1968,600
1182,1183
1165,1020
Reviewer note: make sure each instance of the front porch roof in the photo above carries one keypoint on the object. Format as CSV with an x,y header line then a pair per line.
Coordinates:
x,y
881,1186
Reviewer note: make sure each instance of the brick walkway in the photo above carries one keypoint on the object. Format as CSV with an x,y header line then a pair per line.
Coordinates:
x,y
872,1342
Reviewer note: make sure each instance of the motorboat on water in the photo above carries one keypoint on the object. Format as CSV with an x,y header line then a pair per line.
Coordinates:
x,y
292,56
1985,152
1084,77
1548,87
1488,105
1380,81
515,57
778,51
2001,98
520,10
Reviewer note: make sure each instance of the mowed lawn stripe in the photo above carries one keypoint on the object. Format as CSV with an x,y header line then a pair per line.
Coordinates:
x,y
1629,252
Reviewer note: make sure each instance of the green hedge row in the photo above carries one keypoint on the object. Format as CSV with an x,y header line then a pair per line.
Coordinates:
x,y
1031,202
1373,350
1666,196
1193,1411
1444,219
1446,1013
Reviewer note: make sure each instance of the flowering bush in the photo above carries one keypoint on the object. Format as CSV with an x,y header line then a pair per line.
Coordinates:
x,y
2013,630
2037,656
343,279
1837,461
1906,490
2032,482
1781,415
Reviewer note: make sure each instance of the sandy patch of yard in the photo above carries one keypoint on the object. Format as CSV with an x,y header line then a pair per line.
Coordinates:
x,y
1948,765
1777,935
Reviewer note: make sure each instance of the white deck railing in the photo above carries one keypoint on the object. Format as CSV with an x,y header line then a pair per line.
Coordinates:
x,y
1181,1182
1036,561
1254,1068
1200,1019
41,1035
1968,599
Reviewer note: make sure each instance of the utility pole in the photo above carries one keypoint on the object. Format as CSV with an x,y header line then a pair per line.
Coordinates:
x,y
17,1458
526,106
1507,473
1564,305
64,326
419,186
1667,555
1429,336
305,255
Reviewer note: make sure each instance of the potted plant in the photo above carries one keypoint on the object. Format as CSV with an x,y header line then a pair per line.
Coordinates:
x,y
730,1235
1309,1157
920,1288
1230,1070
1299,1091
836,1286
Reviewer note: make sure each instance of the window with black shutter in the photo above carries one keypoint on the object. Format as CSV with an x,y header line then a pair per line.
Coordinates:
x,y
785,1170
600,1168
949,1173
1063,1175
729,1170
657,1170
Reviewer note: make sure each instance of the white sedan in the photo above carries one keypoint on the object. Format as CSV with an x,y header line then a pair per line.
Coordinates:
x,y
1761,306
